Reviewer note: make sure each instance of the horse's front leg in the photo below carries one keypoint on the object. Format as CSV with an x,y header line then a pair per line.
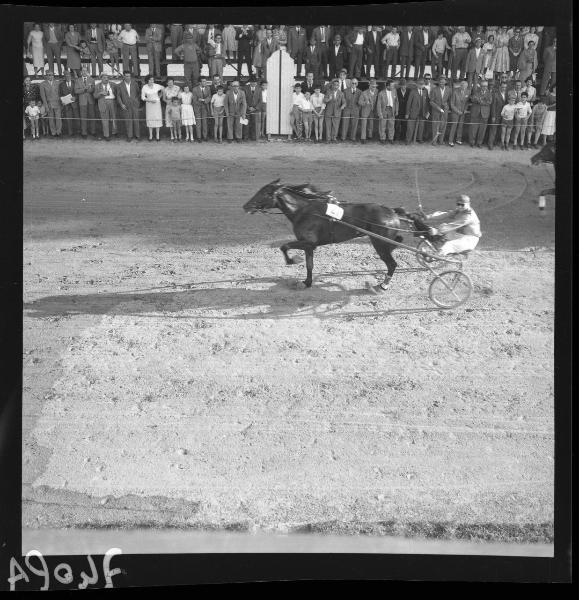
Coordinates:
x,y
309,266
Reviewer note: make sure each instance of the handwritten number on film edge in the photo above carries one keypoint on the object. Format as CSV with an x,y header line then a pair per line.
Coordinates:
x,y
63,572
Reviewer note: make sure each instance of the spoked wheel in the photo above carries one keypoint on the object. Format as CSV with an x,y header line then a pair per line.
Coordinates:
x,y
450,289
430,260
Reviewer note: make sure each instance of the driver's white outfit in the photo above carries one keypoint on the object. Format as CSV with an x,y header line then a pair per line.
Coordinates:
x,y
461,228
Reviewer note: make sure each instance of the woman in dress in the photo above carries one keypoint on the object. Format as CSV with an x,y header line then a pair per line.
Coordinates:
x,y
72,50
549,124
489,52
229,42
502,64
258,59
187,115
35,45
531,37
151,95
528,62
170,92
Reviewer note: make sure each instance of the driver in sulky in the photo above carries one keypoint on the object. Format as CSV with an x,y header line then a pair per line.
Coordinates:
x,y
460,227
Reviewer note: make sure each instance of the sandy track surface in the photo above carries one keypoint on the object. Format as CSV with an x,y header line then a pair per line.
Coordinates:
x,y
174,376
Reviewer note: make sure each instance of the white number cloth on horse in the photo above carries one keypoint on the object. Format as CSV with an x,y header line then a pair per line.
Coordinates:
x,y
334,211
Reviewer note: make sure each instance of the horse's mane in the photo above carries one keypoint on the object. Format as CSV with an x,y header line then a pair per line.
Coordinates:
x,y
311,192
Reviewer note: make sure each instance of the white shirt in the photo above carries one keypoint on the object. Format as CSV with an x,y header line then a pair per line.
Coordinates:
x,y
389,96
128,37
128,86
425,34
323,33
93,34
336,49
264,96
392,40
218,48
306,104
107,88
477,52
359,39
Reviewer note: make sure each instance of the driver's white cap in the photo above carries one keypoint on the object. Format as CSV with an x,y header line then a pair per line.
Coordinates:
x,y
464,199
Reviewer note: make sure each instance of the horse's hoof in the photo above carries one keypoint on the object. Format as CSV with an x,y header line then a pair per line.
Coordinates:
x,y
300,285
377,290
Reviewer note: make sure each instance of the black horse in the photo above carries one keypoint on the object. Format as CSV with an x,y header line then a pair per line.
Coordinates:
x,y
545,155
307,209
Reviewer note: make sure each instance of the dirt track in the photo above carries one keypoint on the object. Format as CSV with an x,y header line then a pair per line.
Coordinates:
x,y
173,376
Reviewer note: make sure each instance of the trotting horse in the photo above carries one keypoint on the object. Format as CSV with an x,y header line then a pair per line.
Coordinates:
x,y
545,155
306,208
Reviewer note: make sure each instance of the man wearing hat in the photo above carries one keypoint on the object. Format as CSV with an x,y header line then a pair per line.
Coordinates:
x,y
461,227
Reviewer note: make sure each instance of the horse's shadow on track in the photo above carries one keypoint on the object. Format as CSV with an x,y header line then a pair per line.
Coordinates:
x,y
255,298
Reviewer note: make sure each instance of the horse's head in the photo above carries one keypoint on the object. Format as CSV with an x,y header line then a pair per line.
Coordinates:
x,y
545,155
263,199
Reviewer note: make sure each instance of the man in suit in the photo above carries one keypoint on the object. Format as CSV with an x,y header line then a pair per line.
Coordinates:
x,y
355,44
155,36
253,97
402,93
439,106
387,111
337,56
335,104
373,51
351,112
309,84
95,39
343,81
296,46
417,112
53,38
268,46
71,114
474,62
422,43
406,51
500,98
367,104
244,37
313,59
84,89
480,111
189,52
104,94
50,95
235,109
322,35
129,100
201,102
458,105
261,112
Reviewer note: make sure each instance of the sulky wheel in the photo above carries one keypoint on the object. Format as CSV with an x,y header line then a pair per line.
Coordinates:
x,y
450,289
427,261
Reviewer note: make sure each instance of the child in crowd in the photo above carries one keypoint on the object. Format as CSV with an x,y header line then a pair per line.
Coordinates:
x,y
318,104
112,49
217,112
174,113
307,110
508,117
535,124
85,54
295,115
522,113
33,113
187,114
43,118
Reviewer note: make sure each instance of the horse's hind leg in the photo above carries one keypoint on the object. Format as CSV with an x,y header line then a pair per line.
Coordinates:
x,y
384,251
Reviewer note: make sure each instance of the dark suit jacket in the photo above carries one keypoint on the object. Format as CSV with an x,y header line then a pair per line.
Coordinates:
x,y
402,99
254,98
317,34
58,32
419,47
84,92
233,108
155,42
100,36
497,104
133,99
416,105
372,48
244,40
439,100
268,50
66,89
406,45
296,42
352,99
458,101
198,101
308,88
339,61
382,102
367,102
99,93
481,104
313,57
335,106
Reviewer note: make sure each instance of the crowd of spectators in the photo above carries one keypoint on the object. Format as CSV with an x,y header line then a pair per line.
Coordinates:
x,y
498,82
